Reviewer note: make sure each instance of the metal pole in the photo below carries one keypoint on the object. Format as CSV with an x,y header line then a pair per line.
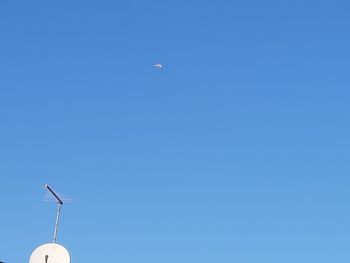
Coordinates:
x,y
59,205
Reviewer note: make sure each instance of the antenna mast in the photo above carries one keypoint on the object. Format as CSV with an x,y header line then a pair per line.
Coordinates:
x,y
59,206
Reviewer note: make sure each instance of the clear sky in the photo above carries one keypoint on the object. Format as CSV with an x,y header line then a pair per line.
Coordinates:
x,y
236,151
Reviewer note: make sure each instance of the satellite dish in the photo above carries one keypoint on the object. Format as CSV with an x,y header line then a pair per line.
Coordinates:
x,y
50,253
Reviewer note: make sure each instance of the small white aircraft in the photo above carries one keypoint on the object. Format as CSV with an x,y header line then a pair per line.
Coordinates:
x,y
158,66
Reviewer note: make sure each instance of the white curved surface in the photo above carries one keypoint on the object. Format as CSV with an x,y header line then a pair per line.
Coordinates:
x,y
50,253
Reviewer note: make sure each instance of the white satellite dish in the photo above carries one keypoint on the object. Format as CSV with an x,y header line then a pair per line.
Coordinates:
x,y
50,253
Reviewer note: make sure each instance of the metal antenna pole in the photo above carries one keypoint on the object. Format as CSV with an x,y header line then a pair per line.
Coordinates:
x,y
57,222
59,206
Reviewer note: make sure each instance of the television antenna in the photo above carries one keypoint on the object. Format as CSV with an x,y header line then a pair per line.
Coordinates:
x,y
58,214
51,252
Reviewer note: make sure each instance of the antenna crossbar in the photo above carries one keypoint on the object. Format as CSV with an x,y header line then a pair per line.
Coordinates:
x,y
54,194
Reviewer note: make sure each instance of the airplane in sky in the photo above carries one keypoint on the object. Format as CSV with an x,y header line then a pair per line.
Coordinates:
x,y
157,66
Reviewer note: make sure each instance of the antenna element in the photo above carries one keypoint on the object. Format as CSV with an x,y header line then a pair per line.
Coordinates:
x,y
59,205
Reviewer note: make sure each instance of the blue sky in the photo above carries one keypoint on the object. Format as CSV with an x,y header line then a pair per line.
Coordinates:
x,y
236,151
